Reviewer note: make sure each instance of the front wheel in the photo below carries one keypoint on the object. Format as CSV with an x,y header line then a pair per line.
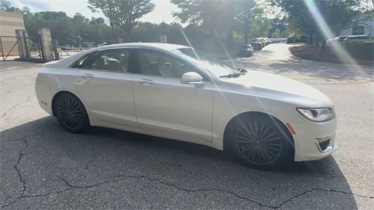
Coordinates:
x,y
260,142
71,113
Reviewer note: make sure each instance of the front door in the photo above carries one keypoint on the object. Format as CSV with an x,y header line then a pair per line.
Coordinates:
x,y
164,104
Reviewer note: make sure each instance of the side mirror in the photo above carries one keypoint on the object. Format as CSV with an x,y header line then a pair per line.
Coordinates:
x,y
192,78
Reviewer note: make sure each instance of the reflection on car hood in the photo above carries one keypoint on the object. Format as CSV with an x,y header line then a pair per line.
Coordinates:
x,y
279,88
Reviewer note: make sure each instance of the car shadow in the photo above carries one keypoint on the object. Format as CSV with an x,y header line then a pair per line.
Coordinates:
x,y
49,160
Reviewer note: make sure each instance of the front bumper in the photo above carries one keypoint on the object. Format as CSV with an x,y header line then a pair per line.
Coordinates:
x,y
315,140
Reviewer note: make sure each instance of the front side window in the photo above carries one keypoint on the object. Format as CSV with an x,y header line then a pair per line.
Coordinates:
x,y
160,64
112,60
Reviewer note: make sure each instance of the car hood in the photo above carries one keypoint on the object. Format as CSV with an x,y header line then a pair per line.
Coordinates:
x,y
280,88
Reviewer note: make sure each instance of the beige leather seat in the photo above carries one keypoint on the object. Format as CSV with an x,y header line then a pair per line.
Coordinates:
x,y
99,64
164,66
149,68
114,66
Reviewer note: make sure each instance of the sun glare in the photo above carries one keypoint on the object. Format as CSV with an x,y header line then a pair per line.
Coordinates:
x,y
339,50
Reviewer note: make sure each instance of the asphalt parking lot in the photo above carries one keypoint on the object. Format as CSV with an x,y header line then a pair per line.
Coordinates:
x,y
44,167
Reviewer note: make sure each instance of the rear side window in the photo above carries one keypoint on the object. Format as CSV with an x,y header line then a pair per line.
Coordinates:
x,y
84,62
112,60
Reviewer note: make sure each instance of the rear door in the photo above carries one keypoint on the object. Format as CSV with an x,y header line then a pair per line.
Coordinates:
x,y
105,84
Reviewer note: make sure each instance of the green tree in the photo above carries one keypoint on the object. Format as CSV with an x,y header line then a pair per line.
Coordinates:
x,y
7,7
77,30
278,27
222,17
216,16
246,11
146,32
336,13
124,13
99,20
55,21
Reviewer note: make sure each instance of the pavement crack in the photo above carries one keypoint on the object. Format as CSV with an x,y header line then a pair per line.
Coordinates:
x,y
12,140
319,189
195,190
21,179
82,187
28,99
21,154
124,177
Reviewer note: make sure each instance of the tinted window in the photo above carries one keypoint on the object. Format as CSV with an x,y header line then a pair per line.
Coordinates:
x,y
84,62
189,52
358,30
112,60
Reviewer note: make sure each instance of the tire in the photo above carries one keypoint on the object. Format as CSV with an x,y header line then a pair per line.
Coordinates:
x,y
260,142
71,113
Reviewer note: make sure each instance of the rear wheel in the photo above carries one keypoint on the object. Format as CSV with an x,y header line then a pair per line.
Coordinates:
x,y
260,142
71,113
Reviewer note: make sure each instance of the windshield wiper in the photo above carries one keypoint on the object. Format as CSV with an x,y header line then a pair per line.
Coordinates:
x,y
230,75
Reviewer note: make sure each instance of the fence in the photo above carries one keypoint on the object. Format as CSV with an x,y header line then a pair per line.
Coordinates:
x,y
23,48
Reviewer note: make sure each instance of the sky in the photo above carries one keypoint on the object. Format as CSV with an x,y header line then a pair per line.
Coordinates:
x,y
162,11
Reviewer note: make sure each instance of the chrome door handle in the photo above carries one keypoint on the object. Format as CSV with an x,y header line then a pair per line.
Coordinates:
x,y
146,82
87,76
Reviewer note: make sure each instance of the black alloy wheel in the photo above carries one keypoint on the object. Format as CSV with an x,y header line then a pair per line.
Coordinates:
x,y
260,143
71,113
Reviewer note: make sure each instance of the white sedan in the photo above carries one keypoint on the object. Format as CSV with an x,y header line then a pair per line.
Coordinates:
x,y
165,90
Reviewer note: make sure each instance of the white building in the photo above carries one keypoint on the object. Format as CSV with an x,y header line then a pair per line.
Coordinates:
x,y
359,28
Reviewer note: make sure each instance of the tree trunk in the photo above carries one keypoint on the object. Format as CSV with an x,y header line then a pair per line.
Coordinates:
x,y
127,37
323,42
246,23
129,34
311,38
317,40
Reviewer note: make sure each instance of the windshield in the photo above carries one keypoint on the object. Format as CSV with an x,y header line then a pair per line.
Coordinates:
x,y
219,69
189,52
212,65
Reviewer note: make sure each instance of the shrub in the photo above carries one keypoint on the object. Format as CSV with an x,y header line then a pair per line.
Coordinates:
x,y
361,49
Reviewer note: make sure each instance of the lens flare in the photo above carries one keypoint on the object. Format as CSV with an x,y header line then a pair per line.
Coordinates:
x,y
217,87
338,49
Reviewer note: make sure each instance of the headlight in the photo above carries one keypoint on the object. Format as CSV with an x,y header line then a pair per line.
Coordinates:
x,y
318,114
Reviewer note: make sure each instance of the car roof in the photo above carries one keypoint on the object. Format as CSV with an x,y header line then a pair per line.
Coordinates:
x,y
148,45
165,47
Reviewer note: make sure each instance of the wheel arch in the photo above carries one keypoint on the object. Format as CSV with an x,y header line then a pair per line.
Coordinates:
x,y
245,116
55,97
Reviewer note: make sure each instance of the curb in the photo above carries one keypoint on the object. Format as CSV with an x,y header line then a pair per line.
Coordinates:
x,y
327,79
322,60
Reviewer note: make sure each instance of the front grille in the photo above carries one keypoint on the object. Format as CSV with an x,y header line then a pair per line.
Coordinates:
x,y
324,145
